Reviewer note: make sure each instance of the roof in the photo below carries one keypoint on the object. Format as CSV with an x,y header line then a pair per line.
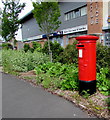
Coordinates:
x,y
28,16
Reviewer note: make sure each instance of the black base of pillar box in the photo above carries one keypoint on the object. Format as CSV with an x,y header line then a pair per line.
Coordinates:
x,y
88,86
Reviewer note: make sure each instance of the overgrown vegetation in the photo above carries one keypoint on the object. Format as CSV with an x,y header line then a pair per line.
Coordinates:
x,y
56,75
64,67
20,61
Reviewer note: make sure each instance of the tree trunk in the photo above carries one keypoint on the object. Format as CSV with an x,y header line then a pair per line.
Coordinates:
x,y
50,52
12,42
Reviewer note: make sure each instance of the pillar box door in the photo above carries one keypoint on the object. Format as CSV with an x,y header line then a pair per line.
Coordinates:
x,y
87,63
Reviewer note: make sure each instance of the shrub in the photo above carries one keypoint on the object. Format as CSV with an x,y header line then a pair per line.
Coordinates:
x,y
70,54
36,46
21,61
7,46
55,48
26,47
103,57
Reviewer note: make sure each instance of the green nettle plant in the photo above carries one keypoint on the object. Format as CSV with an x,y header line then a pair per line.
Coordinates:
x,y
59,76
47,15
103,83
70,81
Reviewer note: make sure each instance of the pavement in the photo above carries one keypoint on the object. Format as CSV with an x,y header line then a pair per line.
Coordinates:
x,y
22,100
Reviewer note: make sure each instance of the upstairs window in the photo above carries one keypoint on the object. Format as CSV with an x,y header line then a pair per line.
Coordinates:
x,y
76,13
72,14
67,16
107,39
84,11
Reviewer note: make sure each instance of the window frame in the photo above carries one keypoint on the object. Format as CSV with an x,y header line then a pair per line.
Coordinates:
x,y
74,13
85,9
77,11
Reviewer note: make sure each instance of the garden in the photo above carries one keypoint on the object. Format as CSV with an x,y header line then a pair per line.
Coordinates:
x,y
60,76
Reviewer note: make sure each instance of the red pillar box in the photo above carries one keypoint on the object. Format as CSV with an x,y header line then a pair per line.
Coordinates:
x,y
87,63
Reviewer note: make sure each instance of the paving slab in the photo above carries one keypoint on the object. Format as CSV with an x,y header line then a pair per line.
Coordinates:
x,y
21,100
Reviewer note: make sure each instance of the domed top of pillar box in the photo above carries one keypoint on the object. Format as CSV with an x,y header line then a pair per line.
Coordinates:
x,y
89,38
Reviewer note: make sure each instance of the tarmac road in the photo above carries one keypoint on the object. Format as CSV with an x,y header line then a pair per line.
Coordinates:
x,y
21,100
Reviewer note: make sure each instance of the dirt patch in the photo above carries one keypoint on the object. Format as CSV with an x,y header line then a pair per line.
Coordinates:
x,y
30,73
94,104
29,76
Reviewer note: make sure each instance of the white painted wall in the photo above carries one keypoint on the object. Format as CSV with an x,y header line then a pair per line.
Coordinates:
x,y
106,12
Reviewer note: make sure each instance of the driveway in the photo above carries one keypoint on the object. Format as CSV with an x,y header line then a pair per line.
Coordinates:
x,y
21,100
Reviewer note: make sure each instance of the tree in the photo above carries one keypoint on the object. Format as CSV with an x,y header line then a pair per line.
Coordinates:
x,y
10,20
0,21
46,14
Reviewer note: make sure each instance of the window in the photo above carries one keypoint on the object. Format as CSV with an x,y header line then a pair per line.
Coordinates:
x,y
59,40
72,15
67,16
53,39
77,13
107,39
67,41
83,11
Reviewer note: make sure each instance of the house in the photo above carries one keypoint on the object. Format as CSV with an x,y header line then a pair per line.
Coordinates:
x,y
78,18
